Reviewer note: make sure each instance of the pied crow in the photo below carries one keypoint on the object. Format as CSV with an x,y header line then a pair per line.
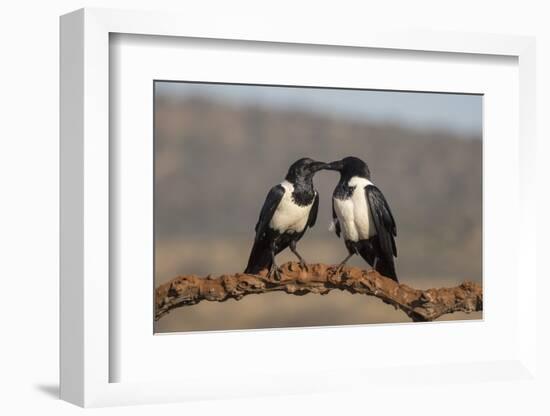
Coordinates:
x,y
361,213
289,209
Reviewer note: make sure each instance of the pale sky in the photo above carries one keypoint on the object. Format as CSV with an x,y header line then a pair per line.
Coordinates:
x,y
459,113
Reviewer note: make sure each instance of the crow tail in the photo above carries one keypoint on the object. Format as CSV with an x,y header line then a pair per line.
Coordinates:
x,y
371,253
260,258
386,267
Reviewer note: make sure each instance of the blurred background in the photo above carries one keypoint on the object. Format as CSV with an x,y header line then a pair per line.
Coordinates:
x,y
219,148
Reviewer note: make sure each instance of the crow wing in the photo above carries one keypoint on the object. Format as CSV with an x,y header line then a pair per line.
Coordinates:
x,y
383,221
313,212
270,205
335,220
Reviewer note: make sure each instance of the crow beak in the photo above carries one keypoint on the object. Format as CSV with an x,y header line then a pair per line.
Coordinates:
x,y
317,166
336,165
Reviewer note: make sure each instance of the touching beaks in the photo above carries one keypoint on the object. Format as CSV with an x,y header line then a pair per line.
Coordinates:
x,y
336,165
317,166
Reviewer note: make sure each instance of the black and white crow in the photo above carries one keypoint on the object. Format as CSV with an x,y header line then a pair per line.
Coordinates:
x,y
361,213
289,209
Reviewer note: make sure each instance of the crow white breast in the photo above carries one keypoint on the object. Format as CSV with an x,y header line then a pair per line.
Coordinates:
x,y
289,217
354,213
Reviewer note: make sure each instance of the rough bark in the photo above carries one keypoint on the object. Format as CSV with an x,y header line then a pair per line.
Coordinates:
x,y
419,305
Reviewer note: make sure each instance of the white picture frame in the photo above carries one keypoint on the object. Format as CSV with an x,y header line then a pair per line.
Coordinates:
x,y
86,354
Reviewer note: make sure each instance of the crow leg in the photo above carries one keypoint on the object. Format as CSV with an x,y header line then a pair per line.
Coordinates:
x,y
374,264
274,270
302,261
343,263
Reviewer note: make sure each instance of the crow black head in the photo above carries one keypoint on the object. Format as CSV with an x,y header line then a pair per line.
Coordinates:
x,y
304,168
349,167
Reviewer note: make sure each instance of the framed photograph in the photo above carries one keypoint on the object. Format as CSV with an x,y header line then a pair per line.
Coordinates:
x,y
233,141
257,211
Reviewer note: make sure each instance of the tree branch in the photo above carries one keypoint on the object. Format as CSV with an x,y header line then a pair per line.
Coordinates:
x,y
419,305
